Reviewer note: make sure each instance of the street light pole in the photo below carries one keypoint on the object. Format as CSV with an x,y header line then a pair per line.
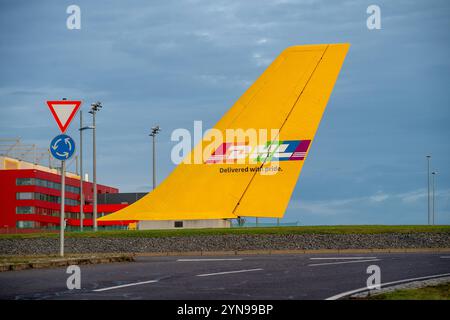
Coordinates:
x,y
94,108
154,132
428,177
434,173
81,173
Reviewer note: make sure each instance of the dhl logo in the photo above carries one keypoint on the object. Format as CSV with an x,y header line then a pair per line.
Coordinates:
x,y
291,150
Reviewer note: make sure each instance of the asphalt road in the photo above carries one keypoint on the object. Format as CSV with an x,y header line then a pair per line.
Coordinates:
x,y
258,277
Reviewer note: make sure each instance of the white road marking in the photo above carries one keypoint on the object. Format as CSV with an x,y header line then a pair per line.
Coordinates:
x,y
445,257
125,285
191,260
343,258
348,293
227,272
342,262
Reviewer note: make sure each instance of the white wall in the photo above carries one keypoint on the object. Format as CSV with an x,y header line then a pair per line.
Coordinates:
x,y
187,224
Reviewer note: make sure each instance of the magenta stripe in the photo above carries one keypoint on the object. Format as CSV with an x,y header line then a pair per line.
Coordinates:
x,y
300,152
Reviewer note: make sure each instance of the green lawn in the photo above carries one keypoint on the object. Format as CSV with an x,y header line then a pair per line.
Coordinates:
x,y
439,292
368,229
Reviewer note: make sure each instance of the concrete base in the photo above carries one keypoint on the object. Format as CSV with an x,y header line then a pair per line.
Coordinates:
x,y
183,224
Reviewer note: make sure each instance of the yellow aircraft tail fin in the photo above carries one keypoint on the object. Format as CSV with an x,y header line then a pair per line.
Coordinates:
x,y
253,172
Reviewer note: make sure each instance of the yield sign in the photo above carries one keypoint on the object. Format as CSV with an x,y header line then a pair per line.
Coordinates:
x,y
63,111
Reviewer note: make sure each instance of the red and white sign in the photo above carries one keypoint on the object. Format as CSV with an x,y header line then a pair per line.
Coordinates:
x,y
63,111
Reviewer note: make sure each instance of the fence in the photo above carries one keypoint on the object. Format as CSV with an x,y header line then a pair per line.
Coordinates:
x,y
264,224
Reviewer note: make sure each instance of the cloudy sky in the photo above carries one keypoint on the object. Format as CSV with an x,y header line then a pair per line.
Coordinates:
x,y
173,62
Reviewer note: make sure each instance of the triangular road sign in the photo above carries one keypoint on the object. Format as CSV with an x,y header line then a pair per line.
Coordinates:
x,y
63,111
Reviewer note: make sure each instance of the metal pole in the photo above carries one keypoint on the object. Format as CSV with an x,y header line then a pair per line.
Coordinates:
x,y
153,133
94,173
278,222
434,187
428,177
154,162
63,195
81,173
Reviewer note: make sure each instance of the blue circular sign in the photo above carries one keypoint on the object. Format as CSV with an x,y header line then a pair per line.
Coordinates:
x,y
62,147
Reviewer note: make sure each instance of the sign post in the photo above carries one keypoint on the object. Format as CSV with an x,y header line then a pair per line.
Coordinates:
x,y
62,147
62,213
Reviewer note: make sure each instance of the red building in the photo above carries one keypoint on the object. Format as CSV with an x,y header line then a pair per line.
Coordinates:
x,y
30,198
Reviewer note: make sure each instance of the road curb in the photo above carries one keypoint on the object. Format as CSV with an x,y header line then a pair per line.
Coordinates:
x,y
418,284
63,262
293,251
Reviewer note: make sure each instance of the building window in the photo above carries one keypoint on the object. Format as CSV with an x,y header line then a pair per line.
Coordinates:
x,y
45,184
72,215
47,212
45,197
178,224
25,210
72,202
24,195
55,199
24,181
72,189
25,224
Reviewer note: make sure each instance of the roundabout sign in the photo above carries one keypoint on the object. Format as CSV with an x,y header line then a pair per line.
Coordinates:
x,y
62,147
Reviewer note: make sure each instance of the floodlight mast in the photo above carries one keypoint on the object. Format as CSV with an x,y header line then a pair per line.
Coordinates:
x,y
95,107
155,130
81,129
